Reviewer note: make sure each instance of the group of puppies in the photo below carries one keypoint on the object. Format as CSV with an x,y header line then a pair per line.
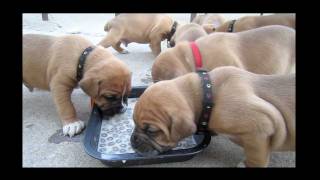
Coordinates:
x,y
250,62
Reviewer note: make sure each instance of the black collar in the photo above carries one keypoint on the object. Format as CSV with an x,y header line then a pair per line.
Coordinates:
x,y
207,103
82,60
231,25
173,30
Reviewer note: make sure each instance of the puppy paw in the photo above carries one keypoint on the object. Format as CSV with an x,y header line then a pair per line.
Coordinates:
x,y
73,128
241,165
124,52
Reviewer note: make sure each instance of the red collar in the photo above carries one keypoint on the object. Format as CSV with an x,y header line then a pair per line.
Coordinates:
x,y
196,55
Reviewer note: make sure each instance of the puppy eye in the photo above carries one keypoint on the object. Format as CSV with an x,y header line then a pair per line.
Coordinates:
x,y
152,133
110,97
150,129
153,130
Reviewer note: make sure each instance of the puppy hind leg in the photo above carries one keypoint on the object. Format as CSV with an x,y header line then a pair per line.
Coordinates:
x,y
257,150
236,141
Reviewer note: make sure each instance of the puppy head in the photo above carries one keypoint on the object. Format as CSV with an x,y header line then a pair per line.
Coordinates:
x,y
108,84
186,32
162,118
168,65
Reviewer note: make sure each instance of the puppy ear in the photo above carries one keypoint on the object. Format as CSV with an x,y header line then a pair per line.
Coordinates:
x,y
182,126
90,86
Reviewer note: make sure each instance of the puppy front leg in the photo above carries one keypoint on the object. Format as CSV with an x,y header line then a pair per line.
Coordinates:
x,y
117,47
155,46
257,150
106,41
113,39
62,98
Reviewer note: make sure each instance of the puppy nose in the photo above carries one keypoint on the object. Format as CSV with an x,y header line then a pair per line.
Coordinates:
x,y
134,138
172,43
125,100
133,141
122,109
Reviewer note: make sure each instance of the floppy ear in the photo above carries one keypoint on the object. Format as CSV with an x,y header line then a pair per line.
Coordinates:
x,y
182,126
90,86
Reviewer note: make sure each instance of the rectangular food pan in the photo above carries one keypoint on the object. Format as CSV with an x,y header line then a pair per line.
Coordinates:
x,y
107,139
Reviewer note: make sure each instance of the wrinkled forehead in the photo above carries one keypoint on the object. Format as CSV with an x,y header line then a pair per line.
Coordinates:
x,y
116,86
140,114
136,112
145,113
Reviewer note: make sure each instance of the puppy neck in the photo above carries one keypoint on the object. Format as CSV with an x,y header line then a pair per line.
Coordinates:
x,y
99,54
186,57
190,86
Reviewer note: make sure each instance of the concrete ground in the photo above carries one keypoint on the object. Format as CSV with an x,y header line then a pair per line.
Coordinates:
x,y
43,145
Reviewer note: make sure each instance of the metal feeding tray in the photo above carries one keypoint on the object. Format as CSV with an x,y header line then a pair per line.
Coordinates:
x,y
108,139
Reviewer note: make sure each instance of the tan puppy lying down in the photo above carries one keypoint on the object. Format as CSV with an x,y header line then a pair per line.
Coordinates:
x,y
209,21
255,111
187,32
139,28
265,50
251,22
50,63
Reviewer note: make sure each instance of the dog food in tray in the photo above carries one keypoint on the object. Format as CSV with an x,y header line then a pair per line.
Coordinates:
x,y
108,139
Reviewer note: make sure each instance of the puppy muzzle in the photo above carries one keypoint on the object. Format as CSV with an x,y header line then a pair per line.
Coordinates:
x,y
114,109
145,146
